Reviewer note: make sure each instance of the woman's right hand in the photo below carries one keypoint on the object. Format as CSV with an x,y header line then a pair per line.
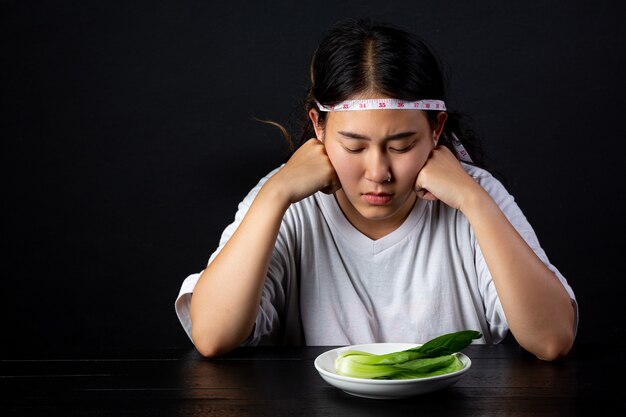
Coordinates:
x,y
307,171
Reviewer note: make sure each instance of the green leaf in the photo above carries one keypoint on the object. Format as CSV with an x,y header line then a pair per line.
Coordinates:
x,y
435,357
428,364
439,346
447,344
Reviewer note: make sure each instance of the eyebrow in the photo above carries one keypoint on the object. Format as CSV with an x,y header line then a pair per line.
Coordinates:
x,y
396,136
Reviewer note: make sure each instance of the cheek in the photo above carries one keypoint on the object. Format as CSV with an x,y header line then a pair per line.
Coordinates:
x,y
346,165
406,169
413,163
348,172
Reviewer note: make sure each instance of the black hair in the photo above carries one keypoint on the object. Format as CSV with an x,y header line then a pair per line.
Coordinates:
x,y
359,56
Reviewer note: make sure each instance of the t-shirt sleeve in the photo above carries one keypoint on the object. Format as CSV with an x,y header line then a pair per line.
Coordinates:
x,y
183,301
272,296
506,202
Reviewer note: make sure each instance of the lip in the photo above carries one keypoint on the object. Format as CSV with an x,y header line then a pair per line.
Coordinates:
x,y
377,199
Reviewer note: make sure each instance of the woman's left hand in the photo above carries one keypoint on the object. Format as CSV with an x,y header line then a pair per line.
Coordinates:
x,y
443,178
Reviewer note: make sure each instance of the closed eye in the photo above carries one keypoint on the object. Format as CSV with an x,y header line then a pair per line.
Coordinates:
x,y
402,150
350,150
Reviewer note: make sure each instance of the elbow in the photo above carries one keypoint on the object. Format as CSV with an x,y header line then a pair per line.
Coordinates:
x,y
212,346
554,348
551,341
210,351
209,347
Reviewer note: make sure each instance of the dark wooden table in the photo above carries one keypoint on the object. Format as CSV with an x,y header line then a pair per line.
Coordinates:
x,y
265,381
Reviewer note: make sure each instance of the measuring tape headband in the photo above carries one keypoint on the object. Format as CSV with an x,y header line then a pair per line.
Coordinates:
x,y
460,149
394,104
383,104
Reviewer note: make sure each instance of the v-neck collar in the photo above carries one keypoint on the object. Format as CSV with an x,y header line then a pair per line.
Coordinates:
x,y
359,240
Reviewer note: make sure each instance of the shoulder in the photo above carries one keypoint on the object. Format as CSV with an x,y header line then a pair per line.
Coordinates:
x,y
498,192
477,173
488,181
269,175
252,193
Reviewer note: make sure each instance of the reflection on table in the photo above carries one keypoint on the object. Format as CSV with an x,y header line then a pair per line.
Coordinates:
x,y
278,381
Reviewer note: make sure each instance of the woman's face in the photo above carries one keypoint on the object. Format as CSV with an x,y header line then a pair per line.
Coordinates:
x,y
366,148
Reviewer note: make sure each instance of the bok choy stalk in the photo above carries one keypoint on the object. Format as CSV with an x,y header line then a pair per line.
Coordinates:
x,y
435,357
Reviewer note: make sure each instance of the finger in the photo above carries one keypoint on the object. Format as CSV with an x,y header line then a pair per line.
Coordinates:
x,y
332,188
425,194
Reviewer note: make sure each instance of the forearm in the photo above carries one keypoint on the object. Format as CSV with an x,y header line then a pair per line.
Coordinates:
x,y
537,306
226,298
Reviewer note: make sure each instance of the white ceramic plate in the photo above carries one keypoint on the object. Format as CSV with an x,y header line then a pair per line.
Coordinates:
x,y
384,389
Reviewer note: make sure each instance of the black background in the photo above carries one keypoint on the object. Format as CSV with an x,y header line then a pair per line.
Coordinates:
x,y
129,137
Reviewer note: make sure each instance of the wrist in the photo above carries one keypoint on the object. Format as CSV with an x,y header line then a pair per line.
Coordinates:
x,y
475,199
276,194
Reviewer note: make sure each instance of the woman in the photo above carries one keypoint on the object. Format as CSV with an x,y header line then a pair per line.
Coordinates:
x,y
378,228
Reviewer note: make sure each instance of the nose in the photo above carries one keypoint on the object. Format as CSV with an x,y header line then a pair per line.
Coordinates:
x,y
377,167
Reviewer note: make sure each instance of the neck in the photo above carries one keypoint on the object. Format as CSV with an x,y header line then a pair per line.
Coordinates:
x,y
374,228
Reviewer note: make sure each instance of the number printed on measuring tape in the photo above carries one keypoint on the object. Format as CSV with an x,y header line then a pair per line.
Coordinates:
x,y
383,104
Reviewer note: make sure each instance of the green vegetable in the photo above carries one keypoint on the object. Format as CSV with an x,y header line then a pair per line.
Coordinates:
x,y
435,357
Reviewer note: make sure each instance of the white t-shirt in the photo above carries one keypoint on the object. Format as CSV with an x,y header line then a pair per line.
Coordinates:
x,y
329,284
